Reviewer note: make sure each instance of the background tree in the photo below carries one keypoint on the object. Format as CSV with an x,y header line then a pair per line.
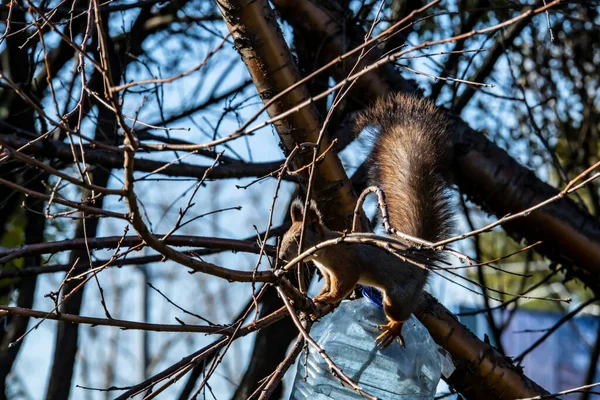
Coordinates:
x,y
135,135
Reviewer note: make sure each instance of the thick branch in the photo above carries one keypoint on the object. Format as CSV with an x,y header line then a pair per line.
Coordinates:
x,y
270,63
110,160
492,178
111,242
481,371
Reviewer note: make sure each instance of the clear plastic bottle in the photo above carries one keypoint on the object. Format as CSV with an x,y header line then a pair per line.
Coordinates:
x,y
348,337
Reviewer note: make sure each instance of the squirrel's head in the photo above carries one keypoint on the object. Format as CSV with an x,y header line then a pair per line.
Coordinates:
x,y
315,230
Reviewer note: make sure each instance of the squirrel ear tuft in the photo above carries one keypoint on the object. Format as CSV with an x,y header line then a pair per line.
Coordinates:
x,y
297,210
314,215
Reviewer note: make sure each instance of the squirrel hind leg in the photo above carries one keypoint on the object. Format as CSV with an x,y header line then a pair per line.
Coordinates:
x,y
392,330
397,308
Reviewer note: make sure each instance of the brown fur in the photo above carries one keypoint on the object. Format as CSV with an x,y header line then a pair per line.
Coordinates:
x,y
410,163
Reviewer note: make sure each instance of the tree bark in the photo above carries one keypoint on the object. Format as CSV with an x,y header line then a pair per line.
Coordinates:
x,y
259,41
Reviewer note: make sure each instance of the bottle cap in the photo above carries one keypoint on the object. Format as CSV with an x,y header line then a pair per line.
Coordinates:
x,y
373,295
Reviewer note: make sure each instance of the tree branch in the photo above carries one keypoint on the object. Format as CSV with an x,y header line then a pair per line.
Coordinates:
x,y
111,160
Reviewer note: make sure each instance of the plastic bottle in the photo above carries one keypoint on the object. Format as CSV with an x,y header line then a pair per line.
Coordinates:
x,y
348,336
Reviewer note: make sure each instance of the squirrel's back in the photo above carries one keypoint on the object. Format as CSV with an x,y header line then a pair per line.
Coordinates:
x,y
410,161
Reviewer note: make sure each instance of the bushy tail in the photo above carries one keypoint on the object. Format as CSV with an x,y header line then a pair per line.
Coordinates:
x,y
410,161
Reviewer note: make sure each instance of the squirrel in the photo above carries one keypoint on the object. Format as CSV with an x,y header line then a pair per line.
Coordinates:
x,y
410,163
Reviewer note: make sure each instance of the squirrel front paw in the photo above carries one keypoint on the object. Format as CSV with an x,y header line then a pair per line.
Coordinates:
x,y
324,298
322,301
